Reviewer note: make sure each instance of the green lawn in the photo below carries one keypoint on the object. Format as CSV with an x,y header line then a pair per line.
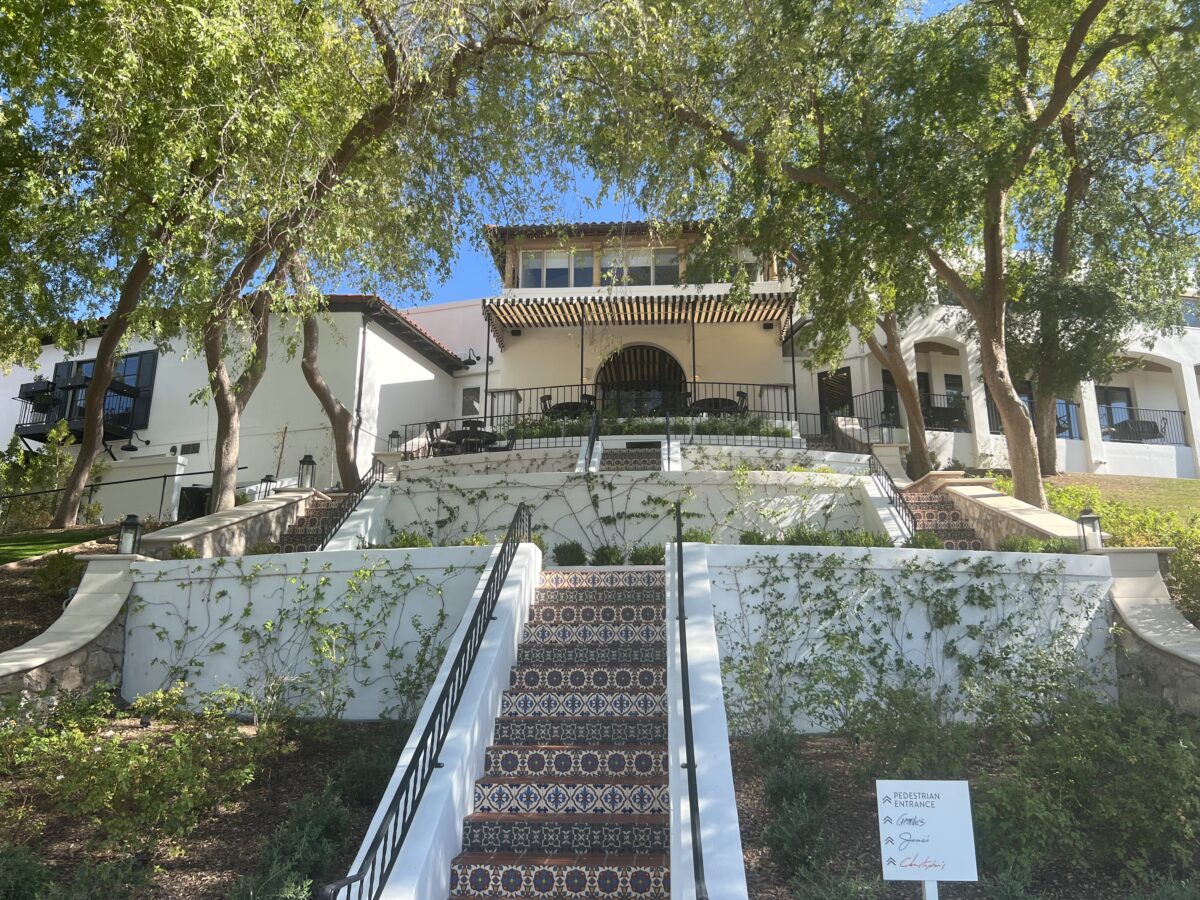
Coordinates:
x,y
1180,495
21,546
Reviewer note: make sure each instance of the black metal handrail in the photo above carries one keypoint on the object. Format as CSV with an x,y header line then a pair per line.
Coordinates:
x,y
689,745
667,417
884,478
1140,425
878,414
368,882
350,502
593,436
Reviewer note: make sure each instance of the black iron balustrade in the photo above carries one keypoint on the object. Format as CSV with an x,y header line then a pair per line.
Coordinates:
x,y
884,479
350,501
1139,425
945,412
877,413
43,404
369,881
689,745
593,436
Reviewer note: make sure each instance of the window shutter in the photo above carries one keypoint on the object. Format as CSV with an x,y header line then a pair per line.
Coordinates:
x,y
147,364
62,372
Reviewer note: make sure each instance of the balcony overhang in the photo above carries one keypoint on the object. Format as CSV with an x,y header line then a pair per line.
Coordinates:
x,y
706,305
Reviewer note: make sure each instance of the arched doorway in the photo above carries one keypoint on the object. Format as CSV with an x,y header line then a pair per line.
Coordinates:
x,y
641,380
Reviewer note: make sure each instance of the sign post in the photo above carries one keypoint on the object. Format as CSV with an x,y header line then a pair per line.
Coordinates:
x,y
925,832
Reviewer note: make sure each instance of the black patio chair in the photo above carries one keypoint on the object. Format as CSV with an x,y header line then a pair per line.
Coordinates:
x,y
502,448
743,401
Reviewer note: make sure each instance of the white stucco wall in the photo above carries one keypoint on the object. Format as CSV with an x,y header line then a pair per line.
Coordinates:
x,y
247,623
1071,600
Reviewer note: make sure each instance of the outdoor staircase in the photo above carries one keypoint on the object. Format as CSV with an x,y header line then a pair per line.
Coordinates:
x,y
631,459
936,513
309,530
574,797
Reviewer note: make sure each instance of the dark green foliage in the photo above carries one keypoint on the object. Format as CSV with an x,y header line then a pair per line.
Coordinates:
x,y
1023,543
57,574
21,875
117,880
402,539
810,536
925,540
905,736
753,538
1169,889
361,777
796,834
795,778
773,747
697,536
570,553
608,555
820,885
1018,827
648,555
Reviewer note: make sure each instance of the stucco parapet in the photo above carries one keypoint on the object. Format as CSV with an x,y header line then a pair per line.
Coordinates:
x,y
1141,598
998,503
213,522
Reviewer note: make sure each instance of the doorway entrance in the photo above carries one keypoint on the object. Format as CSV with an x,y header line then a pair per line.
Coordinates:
x,y
641,380
834,390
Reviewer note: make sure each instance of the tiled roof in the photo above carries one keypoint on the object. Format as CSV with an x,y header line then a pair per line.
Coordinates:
x,y
400,325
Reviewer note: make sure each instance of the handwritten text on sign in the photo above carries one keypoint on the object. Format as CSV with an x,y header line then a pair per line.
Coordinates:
x,y
925,831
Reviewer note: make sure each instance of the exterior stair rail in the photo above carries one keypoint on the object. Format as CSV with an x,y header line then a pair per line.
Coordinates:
x,y
688,740
593,436
369,881
351,500
884,479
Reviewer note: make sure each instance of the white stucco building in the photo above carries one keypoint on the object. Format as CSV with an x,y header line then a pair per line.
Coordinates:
x,y
591,317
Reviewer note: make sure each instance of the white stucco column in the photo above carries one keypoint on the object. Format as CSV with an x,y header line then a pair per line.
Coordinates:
x,y
972,375
1094,451
1189,395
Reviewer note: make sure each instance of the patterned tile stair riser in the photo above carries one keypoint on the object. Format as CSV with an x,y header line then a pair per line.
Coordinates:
x,y
635,460
937,513
574,801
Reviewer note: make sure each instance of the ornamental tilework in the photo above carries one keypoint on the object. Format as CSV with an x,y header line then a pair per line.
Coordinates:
x,y
602,577
594,634
610,834
532,879
584,677
583,703
564,797
643,762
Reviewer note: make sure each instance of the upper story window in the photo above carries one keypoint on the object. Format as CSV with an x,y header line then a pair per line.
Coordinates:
x,y
639,266
556,268
748,262
1191,312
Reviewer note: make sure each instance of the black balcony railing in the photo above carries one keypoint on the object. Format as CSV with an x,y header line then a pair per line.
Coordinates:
x,y
43,404
877,414
1138,425
945,412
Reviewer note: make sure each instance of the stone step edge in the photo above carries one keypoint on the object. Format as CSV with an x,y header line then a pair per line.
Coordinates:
x,y
638,780
558,859
572,818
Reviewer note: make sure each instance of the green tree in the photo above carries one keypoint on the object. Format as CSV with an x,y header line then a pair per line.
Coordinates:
x,y
911,134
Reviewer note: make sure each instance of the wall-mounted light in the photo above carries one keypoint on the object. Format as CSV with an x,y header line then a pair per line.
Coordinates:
x,y
472,358
1090,535
129,538
307,477
130,446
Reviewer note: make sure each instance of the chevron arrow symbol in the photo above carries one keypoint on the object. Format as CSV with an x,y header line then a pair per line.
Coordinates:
x,y
889,841
887,820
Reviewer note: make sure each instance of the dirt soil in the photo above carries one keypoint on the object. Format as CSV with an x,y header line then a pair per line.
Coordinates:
x,y
227,843
852,829
25,612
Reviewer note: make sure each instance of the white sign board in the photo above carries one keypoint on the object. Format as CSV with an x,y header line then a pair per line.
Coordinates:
x,y
925,831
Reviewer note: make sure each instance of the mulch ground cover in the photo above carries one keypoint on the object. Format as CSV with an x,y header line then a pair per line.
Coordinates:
x,y
25,612
852,830
227,842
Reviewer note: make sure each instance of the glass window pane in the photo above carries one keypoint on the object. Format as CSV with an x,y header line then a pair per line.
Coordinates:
x,y
531,268
1191,312
127,370
666,267
612,268
639,265
583,268
558,268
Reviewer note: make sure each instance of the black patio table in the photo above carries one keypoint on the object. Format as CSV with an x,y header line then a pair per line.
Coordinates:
x,y
569,409
471,440
716,406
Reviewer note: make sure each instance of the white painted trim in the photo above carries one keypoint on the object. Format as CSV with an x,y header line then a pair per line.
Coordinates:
x,y
720,836
365,525
422,868
887,518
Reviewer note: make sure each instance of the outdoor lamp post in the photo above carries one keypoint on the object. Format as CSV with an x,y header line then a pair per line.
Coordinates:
x,y
308,472
1090,535
129,538
394,441
268,485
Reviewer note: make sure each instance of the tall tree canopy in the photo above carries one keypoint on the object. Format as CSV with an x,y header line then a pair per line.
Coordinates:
x,y
863,122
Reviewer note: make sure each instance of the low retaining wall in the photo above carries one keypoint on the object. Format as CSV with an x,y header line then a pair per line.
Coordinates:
x,y
1158,650
85,645
232,531
995,516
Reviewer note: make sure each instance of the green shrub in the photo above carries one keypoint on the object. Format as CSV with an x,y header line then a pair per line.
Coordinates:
x,y
1019,828
538,541
570,553
21,875
57,574
1169,889
403,539
116,880
1024,543
809,536
754,538
906,735
795,778
773,747
925,540
262,548
1009,886
608,555
1129,776
360,778
302,852
822,885
478,539
796,835
697,536
648,555
182,551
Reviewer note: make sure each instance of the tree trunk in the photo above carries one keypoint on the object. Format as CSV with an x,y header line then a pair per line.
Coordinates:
x,y
1046,426
1014,418
97,389
891,356
340,418
227,447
